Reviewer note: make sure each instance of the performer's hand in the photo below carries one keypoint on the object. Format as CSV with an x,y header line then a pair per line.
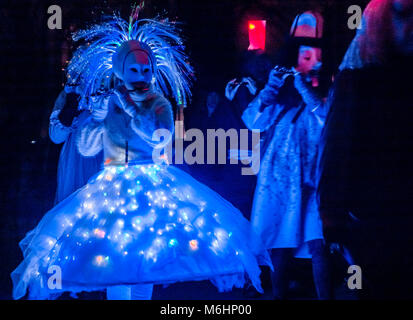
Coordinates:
x,y
71,88
125,102
306,91
277,78
99,104
251,86
300,84
231,89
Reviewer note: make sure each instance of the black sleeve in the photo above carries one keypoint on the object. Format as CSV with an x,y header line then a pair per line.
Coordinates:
x,y
334,186
69,110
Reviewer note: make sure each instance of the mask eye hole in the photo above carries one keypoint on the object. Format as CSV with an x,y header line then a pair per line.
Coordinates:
x,y
133,69
146,70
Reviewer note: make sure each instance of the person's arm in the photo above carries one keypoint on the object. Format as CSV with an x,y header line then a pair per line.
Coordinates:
x,y
146,121
89,138
310,96
58,132
333,169
160,116
263,110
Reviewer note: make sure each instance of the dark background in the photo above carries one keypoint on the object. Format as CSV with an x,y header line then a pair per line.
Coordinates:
x,y
31,76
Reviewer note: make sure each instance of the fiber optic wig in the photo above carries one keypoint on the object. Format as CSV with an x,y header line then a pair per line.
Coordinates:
x,y
94,65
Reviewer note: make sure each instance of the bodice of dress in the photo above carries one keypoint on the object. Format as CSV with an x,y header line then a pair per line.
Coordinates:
x,y
124,137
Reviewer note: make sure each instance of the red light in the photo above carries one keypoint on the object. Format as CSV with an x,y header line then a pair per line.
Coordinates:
x,y
256,34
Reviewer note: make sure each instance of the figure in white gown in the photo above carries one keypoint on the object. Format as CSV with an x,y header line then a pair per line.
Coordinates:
x,y
137,223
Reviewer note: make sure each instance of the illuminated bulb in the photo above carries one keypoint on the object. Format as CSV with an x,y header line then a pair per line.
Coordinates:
x,y
101,260
215,243
200,222
193,244
99,233
169,226
88,205
150,254
173,243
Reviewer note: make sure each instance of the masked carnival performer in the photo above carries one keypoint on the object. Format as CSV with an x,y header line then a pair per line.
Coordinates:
x,y
66,119
137,222
365,173
291,113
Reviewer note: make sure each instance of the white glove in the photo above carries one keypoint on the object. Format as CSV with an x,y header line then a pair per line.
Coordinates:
x,y
125,101
99,105
231,89
277,77
251,86
307,93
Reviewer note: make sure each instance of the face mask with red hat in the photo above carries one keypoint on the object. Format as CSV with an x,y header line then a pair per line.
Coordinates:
x,y
307,32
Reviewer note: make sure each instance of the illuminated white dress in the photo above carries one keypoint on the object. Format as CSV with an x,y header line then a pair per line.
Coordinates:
x,y
137,223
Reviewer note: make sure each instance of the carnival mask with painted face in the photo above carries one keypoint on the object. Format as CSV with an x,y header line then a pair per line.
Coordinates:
x,y
307,28
134,65
309,59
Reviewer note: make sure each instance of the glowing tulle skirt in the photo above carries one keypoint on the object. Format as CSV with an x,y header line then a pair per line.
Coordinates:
x,y
143,223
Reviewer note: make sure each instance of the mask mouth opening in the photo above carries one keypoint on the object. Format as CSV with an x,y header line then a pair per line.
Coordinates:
x,y
140,87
